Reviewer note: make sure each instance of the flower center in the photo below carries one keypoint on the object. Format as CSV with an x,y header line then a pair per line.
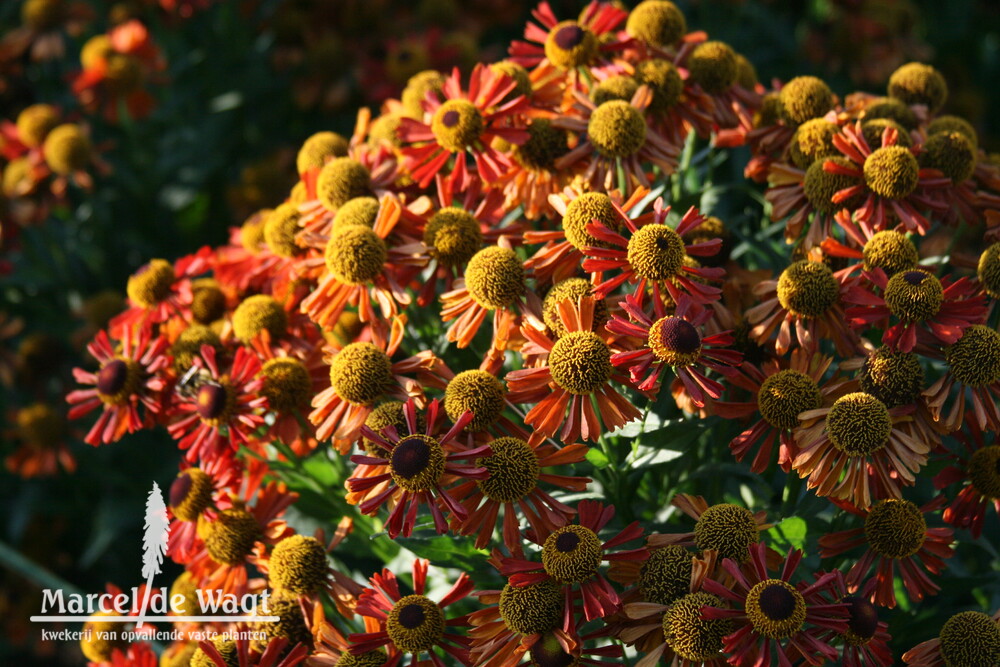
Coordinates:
x,y
280,228
688,634
989,270
375,658
495,277
666,575
287,384
151,284
819,185
355,255
804,98
970,639
664,80
588,207
984,471
215,402
813,140
298,564
190,494
118,380
570,290
713,66
975,359
231,536
863,621
914,296
807,289
617,129
892,172
858,424
785,395
532,609
890,251
569,45
208,301
548,652
257,313
456,125
388,414
776,609
891,376
360,373
358,211
675,341
544,146
513,468
453,235
895,528
580,362
415,624
916,83
658,22
729,529
656,252
417,462
341,180
571,554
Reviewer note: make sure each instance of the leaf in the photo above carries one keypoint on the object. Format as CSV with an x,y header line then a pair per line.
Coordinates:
x,y
597,458
446,551
790,532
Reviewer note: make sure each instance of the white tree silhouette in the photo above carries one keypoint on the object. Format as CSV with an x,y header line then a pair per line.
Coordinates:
x,y
154,543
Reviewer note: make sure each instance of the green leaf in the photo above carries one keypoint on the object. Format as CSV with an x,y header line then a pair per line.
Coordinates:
x,y
446,551
597,458
791,532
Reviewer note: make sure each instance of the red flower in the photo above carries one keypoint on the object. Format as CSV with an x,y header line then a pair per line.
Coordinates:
x,y
411,624
415,468
775,616
571,45
946,308
652,254
225,409
571,556
465,121
896,532
978,469
128,376
675,341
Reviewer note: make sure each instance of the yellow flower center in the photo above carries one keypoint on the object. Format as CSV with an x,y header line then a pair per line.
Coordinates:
x,y
776,609
895,528
729,529
807,289
580,362
617,129
571,554
415,624
457,124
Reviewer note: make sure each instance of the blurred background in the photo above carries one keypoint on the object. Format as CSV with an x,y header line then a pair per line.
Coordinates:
x,y
200,129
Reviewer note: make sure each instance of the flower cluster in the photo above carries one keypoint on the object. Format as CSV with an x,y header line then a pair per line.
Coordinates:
x,y
465,305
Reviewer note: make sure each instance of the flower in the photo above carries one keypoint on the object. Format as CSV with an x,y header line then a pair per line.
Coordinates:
x,y
494,280
727,529
791,618
414,470
464,122
978,469
42,434
571,46
944,307
673,340
889,179
410,624
781,392
896,532
360,374
653,255
967,638
129,376
805,296
515,469
866,641
571,556
360,265
576,372
115,67
617,138
854,450
222,408
973,364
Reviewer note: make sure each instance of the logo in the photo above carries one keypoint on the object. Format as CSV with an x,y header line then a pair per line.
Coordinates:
x,y
58,606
